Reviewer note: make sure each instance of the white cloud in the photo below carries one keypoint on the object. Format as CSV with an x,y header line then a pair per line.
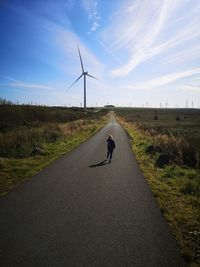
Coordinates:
x,y
94,27
26,85
164,80
110,51
151,28
90,7
67,42
178,58
64,43
190,88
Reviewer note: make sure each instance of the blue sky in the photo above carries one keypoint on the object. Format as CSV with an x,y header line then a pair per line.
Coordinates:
x,y
141,51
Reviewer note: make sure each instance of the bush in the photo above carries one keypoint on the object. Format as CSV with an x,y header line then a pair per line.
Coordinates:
x,y
170,145
189,156
155,117
184,151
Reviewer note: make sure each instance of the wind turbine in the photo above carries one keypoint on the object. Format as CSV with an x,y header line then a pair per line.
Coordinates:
x,y
84,74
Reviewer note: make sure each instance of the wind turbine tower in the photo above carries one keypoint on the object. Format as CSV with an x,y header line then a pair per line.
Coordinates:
x,y
84,74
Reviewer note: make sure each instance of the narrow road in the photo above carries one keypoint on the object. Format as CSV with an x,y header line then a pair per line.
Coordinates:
x,y
82,212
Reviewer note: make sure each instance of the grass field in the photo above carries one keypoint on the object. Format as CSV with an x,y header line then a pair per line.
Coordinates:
x,y
32,137
176,186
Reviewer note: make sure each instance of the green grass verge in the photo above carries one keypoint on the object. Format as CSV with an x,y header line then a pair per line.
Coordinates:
x,y
15,171
176,189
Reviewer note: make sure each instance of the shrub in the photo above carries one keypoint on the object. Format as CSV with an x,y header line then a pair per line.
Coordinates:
x,y
189,155
170,144
185,151
155,117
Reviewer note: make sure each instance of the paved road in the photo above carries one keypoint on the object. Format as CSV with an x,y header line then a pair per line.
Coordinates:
x,y
80,212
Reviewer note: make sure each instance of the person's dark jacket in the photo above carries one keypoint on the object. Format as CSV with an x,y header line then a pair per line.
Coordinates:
x,y
110,144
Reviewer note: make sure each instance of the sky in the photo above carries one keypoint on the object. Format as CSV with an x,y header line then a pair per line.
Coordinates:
x,y
143,53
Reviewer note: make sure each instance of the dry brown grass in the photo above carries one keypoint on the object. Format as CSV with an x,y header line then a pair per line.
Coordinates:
x,y
19,142
176,186
54,140
69,128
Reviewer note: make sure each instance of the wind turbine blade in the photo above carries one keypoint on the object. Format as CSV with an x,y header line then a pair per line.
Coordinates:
x,y
80,59
91,76
75,81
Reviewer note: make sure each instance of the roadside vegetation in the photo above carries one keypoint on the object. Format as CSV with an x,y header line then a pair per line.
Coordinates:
x,y
31,137
167,146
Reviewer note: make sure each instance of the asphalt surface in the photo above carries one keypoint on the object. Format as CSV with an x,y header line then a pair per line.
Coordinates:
x,y
82,211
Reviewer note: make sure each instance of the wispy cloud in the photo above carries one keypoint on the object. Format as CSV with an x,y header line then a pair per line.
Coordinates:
x,y
67,42
94,18
110,51
13,83
190,88
55,11
151,28
178,58
53,25
164,80
144,44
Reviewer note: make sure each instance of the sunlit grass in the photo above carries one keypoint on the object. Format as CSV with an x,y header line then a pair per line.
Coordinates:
x,y
177,190
14,171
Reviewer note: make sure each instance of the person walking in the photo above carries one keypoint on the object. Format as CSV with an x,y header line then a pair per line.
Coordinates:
x,y
110,147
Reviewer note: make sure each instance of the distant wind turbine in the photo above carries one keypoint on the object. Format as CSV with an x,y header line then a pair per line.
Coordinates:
x,y
84,74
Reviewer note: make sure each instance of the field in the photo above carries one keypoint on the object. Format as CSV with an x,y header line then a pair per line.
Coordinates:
x,y
31,137
174,133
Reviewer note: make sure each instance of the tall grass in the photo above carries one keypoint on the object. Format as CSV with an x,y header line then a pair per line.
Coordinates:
x,y
178,138
186,153
12,116
21,142
25,150
176,186
25,127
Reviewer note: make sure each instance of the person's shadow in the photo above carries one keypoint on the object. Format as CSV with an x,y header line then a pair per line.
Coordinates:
x,y
102,163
